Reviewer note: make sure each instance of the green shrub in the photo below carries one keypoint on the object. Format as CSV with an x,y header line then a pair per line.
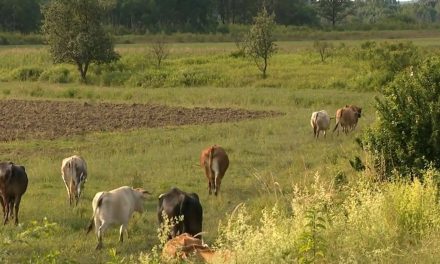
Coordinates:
x,y
406,135
57,74
115,78
152,78
388,59
26,73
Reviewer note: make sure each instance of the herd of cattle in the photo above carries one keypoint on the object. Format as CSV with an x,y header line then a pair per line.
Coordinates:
x,y
116,207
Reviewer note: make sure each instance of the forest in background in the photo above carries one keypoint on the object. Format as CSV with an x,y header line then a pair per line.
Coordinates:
x,y
217,16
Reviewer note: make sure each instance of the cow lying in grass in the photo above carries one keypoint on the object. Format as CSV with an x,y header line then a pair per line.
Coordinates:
x,y
115,208
184,246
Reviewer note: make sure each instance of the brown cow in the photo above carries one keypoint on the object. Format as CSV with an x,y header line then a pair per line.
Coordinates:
x,y
184,246
13,184
215,161
347,117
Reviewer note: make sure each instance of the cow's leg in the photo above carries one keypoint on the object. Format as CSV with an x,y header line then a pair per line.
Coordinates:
x,y
218,181
3,206
121,232
101,230
7,211
314,131
209,178
17,207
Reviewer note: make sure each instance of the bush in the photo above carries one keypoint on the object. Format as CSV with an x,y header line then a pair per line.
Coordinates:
x,y
26,73
152,78
388,59
406,136
58,74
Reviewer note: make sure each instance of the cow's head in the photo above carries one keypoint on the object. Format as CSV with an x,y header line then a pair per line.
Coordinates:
x,y
140,196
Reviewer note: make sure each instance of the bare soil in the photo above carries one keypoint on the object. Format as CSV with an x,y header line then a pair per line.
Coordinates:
x,y
21,119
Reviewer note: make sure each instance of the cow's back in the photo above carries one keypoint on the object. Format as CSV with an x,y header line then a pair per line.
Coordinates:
x,y
193,214
169,203
19,180
220,159
322,120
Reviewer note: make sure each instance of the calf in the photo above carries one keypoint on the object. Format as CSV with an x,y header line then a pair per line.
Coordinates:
x,y
320,121
115,208
177,203
215,162
13,184
74,174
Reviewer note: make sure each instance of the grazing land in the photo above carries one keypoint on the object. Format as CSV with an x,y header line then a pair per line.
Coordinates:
x,y
141,126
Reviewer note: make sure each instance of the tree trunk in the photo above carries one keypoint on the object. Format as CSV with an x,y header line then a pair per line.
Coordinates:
x,y
83,71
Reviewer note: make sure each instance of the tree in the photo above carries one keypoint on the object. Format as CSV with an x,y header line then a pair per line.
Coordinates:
x,y
74,33
260,43
406,135
334,10
160,50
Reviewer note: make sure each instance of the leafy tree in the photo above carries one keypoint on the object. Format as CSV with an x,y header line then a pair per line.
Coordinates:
x,y
406,135
260,43
74,33
334,10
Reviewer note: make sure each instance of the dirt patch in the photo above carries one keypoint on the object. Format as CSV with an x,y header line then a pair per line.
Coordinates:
x,y
21,119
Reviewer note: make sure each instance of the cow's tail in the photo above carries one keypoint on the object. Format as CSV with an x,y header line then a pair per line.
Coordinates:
x,y
210,158
338,118
92,220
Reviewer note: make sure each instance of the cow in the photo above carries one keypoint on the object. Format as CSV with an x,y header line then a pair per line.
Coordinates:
x,y
176,203
13,184
184,247
320,121
215,162
347,117
74,175
115,208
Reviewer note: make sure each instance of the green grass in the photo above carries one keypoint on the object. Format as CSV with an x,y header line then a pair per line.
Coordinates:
x,y
262,152
161,158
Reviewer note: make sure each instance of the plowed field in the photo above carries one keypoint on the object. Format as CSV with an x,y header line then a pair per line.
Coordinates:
x,y
20,119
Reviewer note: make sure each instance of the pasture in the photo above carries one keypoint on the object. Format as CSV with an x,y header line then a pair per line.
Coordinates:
x,y
264,153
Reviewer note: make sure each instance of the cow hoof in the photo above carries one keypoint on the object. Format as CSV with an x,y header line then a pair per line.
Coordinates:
x,y
99,247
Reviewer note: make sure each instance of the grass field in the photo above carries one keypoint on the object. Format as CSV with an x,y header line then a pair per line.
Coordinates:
x,y
261,152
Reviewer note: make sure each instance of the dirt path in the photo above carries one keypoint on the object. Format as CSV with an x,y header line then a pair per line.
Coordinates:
x,y
20,119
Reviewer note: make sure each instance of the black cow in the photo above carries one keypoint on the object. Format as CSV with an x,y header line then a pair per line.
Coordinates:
x,y
13,184
177,203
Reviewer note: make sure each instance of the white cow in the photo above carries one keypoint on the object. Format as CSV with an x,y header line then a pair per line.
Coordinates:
x,y
115,208
74,174
320,121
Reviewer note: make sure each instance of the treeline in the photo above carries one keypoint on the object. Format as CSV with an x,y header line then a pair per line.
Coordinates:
x,y
207,16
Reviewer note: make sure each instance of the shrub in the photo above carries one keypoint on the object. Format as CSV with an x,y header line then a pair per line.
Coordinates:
x,y
58,74
406,135
152,78
26,73
388,59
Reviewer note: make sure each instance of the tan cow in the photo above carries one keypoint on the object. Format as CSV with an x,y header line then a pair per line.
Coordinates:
x,y
320,121
347,117
215,162
74,174
115,208
184,246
